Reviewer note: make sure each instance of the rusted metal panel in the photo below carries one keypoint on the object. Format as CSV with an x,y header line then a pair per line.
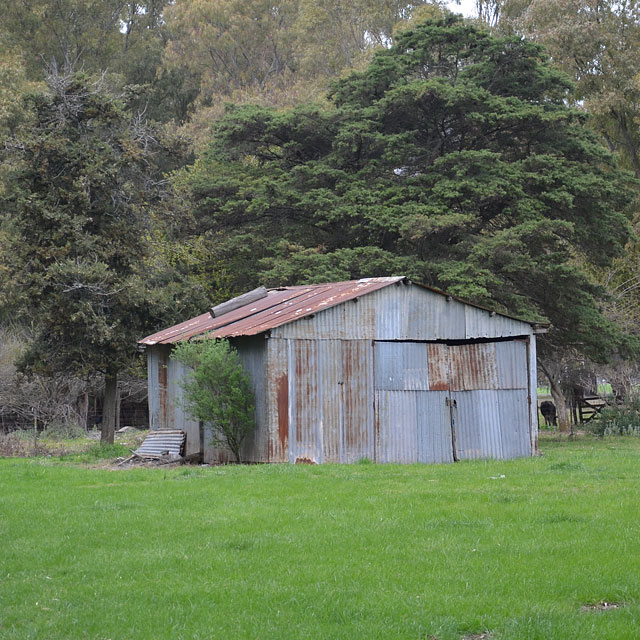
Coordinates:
x,y
331,404
165,416
357,401
477,424
305,419
166,408
353,320
277,400
438,359
514,423
330,400
511,359
473,366
282,404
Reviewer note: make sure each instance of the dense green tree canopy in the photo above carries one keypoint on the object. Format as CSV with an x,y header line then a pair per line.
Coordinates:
x,y
452,158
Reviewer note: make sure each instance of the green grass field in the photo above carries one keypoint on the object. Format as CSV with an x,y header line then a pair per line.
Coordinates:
x,y
500,550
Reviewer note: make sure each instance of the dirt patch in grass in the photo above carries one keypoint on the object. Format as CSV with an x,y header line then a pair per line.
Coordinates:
x,y
487,635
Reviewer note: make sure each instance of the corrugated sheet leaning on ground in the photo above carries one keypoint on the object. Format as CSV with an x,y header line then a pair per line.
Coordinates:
x,y
160,443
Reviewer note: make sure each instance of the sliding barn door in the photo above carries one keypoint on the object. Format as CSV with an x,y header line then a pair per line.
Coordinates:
x,y
490,399
413,420
436,402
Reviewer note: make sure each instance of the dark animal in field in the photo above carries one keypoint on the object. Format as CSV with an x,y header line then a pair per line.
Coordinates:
x,y
548,411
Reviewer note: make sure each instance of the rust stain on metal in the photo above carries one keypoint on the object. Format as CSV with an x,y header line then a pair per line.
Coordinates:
x,y
355,391
438,363
304,387
473,366
347,391
282,400
279,307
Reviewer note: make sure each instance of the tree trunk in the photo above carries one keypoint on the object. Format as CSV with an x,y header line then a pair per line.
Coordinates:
x,y
109,408
559,400
118,405
83,410
561,406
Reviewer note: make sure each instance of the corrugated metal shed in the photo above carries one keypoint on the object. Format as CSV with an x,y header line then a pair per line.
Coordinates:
x,y
379,368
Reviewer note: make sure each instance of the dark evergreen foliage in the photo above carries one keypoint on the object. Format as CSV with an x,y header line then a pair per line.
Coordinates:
x,y
452,158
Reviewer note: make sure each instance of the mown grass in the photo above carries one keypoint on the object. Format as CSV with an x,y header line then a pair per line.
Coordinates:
x,y
511,548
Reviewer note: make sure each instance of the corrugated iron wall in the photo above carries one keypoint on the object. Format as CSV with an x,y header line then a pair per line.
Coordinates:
x,y
320,405
413,420
403,312
253,353
342,400
165,396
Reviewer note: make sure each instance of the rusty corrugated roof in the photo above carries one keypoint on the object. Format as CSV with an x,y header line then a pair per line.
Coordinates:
x,y
282,305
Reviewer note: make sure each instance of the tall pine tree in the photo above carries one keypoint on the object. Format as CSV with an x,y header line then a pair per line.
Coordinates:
x,y
80,177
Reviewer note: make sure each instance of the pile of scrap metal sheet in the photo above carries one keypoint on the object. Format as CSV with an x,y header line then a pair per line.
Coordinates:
x,y
164,443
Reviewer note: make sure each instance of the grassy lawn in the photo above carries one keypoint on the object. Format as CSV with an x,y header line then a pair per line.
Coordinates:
x,y
515,549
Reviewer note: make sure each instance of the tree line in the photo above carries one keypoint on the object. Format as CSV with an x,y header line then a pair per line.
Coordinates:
x,y
161,157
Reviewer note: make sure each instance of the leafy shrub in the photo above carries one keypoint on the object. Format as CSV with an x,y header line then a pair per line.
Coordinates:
x,y
619,420
217,391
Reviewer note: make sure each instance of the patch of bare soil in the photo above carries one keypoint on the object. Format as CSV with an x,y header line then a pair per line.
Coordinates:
x,y
603,605
144,463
